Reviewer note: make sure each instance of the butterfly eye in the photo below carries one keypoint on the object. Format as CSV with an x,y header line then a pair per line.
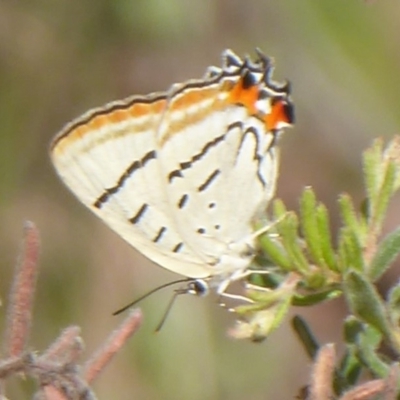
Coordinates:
x,y
198,287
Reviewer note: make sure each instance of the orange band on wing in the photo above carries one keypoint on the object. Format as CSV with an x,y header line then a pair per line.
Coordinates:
x,y
277,115
248,96
245,96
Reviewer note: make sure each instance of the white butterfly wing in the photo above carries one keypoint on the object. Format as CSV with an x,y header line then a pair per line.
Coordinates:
x,y
221,177
213,187
179,177
110,163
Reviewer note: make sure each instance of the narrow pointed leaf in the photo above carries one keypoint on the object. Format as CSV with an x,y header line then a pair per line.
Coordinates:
x,y
275,252
354,251
348,213
387,252
279,209
343,262
352,329
305,335
394,305
327,250
365,302
394,297
383,196
351,365
350,251
267,311
288,230
316,298
350,369
392,153
309,226
367,351
371,165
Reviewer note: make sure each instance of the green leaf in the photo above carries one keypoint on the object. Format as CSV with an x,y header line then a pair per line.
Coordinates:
x,y
370,337
343,262
306,337
372,159
394,307
349,370
394,297
392,154
350,251
316,298
279,209
269,281
327,250
349,215
383,196
309,226
368,343
364,340
365,302
288,229
275,252
387,252
357,334
352,329
267,311
354,251
257,325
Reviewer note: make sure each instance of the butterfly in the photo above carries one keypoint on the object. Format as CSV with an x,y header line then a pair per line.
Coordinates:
x,y
182,175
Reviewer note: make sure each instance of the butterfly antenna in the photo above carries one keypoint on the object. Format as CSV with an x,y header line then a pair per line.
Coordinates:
x,y
197,287
167,310
121,310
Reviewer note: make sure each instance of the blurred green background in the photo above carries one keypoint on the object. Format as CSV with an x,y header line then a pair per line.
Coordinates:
x,y
59,58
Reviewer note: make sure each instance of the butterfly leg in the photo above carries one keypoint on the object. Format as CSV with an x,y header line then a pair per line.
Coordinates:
x,y
240,275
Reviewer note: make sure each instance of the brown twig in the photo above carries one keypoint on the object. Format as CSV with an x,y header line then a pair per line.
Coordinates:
x,y
19,315
57,370
390,391
52,393
322,374
365,391
66,348
115,341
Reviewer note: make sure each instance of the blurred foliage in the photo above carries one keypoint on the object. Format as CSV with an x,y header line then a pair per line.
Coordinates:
x,y
59,58
308,267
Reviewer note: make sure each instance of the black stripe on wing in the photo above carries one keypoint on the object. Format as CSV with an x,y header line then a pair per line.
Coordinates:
x,y
135,166
177,173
